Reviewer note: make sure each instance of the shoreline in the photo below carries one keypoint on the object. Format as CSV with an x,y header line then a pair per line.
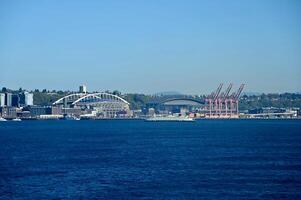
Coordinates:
x,y
142,119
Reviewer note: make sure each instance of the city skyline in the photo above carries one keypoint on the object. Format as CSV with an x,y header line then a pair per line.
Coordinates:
x,y
145,47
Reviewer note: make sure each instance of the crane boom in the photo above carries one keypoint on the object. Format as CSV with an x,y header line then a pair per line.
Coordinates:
x,y
216,94
239,91
228,90
218,91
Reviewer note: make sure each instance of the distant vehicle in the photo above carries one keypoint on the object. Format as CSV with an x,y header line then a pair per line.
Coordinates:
x,y
2,119
170,119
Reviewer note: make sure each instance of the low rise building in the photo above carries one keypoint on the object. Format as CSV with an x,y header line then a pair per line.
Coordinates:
x,y
24,114
8,112
36,111
72,111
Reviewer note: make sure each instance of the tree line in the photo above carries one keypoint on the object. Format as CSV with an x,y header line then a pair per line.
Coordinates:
x,y
138,101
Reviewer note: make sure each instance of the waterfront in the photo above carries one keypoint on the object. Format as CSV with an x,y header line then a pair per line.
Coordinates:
x,y
131,159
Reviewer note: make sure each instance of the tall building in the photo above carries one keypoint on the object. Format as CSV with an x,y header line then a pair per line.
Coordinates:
x,y
28,98
2,99
8,99
83,89
15,100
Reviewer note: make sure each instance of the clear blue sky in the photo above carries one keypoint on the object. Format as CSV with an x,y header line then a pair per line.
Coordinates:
x,y
151,46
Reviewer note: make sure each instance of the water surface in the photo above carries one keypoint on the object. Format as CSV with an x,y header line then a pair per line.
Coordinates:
x,y
128,159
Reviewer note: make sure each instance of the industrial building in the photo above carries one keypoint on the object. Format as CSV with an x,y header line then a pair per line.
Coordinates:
x,y
8,99
2,99
216,105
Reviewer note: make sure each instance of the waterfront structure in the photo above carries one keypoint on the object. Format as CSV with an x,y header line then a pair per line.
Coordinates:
x,y
42,110
36,110
216,105
72,111
8,112
271,112
151,112
2,99
170,118
24,114
221,104
107,105
50,117
176,105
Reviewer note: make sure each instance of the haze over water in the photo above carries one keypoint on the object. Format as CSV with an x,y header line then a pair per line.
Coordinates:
x,y
130,159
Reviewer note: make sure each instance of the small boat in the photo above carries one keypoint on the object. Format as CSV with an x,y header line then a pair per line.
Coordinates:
x,y
2,119
70,117
16,120
170,119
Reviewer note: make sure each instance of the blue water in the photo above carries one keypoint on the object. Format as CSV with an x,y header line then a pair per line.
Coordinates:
x,y
209,159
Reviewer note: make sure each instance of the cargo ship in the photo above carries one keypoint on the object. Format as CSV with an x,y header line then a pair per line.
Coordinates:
x,y
169,119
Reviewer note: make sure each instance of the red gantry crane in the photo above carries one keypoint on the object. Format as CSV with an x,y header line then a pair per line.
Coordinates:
x,y
213,100
218,103
237,96
224,100
234,99
216,96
